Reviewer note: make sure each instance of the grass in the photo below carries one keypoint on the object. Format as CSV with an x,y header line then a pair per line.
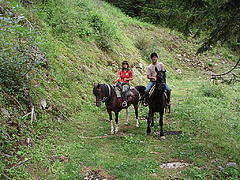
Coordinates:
x,y
80,39
206,141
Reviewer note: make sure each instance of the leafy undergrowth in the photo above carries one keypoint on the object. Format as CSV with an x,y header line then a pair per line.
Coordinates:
x,y
84,42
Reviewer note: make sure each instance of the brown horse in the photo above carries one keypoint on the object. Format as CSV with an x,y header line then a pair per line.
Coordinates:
x,y
106,93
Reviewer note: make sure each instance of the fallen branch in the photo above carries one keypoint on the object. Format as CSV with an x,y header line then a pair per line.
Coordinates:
x,y
20,106
101,137
94,137
33,115
5,176
5,155
214,75
20,163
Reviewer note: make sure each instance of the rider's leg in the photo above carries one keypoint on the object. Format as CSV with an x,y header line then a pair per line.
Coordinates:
x,y
118,93
146,95
168,90
125,89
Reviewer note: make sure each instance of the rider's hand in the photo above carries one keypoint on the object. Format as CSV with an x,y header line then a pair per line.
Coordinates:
x,y
154,78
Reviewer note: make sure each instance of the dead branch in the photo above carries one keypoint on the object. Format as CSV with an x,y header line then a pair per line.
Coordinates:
x,y
214,75
106,136
11,97
20,163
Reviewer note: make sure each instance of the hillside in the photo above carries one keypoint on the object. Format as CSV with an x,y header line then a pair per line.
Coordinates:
x,y
80,42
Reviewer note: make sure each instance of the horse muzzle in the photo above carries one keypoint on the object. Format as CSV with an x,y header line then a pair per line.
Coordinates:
x,y
98,104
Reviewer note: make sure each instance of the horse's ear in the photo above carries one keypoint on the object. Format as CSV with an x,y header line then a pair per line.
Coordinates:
x,y
96,85
156,69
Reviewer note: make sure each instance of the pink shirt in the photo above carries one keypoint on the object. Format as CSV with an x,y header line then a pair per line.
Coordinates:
x,y
151,69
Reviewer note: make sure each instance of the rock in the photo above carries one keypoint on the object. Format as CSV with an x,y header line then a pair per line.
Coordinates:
x,y
231,164
220,168
174,165
5,113
179,71
43,104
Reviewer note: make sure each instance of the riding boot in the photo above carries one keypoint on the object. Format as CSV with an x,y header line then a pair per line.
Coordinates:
x,y
168,97
124,103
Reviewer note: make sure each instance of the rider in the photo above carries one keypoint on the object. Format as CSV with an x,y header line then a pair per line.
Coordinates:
x,y
125,75
151,75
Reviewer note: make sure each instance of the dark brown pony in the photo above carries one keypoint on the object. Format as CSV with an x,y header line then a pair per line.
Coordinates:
x,y
157,102
106,93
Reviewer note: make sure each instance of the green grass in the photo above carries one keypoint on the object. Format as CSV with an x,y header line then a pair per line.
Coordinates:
x,y
210,139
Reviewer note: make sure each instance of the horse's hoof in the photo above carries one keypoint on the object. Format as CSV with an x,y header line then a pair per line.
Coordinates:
x,y
137,125
126,123
162,137
148,131
112,132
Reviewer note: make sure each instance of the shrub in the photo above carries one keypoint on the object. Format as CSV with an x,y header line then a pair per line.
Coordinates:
x,y
212,90
15,61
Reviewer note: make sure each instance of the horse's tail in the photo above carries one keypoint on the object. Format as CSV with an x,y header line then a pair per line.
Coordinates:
x,y
141,90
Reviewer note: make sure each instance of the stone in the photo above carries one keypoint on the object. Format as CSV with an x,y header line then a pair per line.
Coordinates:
x,y
174,165
231,164
43,104
5,113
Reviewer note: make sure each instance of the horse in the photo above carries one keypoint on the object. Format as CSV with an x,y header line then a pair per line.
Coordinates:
x,y
157,102
105,93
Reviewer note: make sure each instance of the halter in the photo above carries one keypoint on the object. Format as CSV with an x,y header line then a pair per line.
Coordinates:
x,y
109,93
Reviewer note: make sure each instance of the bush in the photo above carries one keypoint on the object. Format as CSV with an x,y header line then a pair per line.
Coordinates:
x,y
15,62
81,19
212,90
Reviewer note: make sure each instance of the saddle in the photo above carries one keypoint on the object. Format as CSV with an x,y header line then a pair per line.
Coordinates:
x,y
128,94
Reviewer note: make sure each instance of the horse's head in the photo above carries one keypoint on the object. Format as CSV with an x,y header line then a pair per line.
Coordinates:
x,y
101,92
97,91
161,80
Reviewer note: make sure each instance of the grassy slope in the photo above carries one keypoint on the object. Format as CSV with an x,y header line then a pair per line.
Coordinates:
x,y
77,59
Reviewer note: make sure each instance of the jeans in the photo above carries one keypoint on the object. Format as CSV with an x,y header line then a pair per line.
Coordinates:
x,y
150,85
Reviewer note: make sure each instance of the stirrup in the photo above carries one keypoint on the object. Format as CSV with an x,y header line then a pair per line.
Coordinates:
x,y
124,104
145,104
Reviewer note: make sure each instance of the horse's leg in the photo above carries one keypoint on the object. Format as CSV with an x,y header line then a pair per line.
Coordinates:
x,y
116,121
152,119
110,118
136,113
161,124
127,117
149,121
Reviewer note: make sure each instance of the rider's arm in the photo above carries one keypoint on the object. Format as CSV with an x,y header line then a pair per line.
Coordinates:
x,y
153,78
119,77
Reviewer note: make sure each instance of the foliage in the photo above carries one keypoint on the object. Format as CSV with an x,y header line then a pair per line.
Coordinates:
x,y
16,42
82,21
212,90
216,20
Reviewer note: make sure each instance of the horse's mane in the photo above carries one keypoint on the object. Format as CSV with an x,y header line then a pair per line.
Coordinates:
x,y
104,88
